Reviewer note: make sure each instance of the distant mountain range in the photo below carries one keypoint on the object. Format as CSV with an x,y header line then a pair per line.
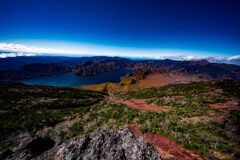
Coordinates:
x,y
18,69
154,110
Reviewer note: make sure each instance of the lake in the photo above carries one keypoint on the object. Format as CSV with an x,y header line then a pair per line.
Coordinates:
x,y
71,80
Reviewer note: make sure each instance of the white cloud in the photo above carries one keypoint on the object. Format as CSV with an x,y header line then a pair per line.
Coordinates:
x,y
6,55
237,57
215,59
179,57
10,47
14,50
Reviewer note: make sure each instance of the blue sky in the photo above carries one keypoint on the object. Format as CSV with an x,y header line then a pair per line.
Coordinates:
x,y
124,27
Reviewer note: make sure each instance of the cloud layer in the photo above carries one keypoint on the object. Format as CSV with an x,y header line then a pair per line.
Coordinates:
x,y
6,55
10,47
229,60
14,50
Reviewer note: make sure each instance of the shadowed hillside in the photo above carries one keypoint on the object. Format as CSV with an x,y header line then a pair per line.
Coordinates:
x,y
31,107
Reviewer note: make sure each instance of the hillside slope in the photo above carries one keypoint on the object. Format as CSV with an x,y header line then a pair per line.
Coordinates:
x,y
197,119
202,117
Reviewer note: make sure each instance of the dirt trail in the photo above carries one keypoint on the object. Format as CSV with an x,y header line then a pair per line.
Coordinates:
x,y
139,104
167,148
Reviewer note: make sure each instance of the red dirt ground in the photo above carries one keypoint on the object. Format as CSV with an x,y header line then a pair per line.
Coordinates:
x,y
225,108
229,105
167,148
163,79
140,104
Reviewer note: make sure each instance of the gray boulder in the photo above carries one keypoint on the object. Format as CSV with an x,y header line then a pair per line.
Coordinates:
x,y
100,145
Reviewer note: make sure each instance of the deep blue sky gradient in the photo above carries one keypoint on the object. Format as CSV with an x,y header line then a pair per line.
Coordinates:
x,y
199,25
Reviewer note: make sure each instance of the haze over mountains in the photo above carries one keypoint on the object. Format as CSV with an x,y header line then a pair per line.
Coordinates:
x,y
16,50
217,59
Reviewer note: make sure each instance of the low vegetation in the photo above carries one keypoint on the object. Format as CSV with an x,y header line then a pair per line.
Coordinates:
x,y
26,107
190,122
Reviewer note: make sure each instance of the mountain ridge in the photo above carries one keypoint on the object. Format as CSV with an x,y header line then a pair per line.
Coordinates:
x,y
90,66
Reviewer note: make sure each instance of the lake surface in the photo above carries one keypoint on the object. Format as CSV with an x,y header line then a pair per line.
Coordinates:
x,y
70,79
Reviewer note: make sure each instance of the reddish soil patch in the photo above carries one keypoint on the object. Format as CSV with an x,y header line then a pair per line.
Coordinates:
x,y
217,117
229,105
163,79
134,130
140,104
167,148
225,107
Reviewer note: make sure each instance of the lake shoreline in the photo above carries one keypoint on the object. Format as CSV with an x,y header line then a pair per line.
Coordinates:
x,y
69,79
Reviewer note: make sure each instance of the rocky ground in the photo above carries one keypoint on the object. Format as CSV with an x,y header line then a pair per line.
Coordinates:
x,y
102,145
